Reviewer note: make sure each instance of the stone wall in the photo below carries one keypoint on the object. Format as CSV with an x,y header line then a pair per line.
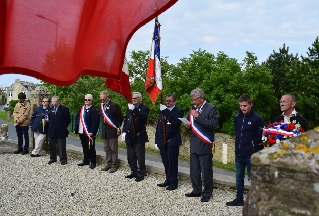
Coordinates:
x,y
285,178
184,150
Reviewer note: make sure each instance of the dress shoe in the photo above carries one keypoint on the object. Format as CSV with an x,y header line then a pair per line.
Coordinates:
x,y
51,161
113,170
92,166
106,168
63,162
130,176
34,155
25,152
165,184
235,202
192,195
83,164
138,179
205,199
170,188
18,151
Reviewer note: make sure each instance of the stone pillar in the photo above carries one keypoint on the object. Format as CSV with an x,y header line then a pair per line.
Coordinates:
x,y
37,96
285,178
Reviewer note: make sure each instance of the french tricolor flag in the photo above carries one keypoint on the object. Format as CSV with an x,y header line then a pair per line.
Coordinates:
x,y
153,80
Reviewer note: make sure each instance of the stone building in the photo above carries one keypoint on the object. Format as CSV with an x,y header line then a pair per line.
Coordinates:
x,y
17,87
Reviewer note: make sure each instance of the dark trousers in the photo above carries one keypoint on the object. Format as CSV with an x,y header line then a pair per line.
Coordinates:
x,y
241,162
88,147
136,154
61,143
23,131
201,166
169,155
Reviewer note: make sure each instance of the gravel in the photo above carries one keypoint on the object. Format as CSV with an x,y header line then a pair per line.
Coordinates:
x,y
29,186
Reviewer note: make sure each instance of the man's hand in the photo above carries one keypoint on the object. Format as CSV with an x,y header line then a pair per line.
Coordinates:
x,y
130,106
162,107
123,136
194,113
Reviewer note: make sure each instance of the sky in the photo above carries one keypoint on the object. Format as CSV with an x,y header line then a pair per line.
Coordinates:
x,y
232,27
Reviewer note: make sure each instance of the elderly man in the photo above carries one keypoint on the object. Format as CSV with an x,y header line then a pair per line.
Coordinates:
x,y
21,117
168,139
87,125
289,113
58,131
112,118
135,136
203,120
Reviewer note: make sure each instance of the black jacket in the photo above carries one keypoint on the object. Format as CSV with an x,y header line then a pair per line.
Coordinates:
x,y
172,127
92,119
294,119
248,133
59,122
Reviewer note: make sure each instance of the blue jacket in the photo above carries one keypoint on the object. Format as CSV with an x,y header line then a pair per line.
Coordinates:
x,y
36,120
172,128
92,119
248,133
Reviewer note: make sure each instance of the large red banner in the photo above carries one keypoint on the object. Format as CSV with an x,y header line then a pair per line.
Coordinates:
x,y
58,40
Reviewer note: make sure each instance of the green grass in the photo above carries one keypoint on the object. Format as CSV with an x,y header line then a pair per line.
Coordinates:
x,y
3,116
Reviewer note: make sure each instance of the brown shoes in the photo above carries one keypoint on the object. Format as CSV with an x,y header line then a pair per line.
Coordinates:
x,y
106,168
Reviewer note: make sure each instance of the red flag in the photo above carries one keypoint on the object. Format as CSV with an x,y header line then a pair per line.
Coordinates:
x,y
122,85
153,80
57,40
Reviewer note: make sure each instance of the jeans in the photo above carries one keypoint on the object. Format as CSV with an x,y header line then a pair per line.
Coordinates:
x,y
23,131
241,162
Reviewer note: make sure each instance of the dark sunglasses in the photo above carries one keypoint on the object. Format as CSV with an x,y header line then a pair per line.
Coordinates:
x,y
44,101
87,99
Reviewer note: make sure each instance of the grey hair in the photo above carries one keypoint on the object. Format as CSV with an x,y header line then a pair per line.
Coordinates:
x,y
138,93
55,97
199,92
104,93
89,96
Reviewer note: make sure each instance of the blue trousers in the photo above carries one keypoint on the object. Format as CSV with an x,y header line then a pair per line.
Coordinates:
x,y
23,131
241,162
169,155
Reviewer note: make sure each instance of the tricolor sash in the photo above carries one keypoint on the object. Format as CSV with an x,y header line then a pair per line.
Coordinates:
x,y
107,118
82,119
199,133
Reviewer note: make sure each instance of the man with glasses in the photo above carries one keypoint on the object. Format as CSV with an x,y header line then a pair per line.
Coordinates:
x,y
87,122
203,119
21,117
112,118
168,139
135,136
39,124
58,131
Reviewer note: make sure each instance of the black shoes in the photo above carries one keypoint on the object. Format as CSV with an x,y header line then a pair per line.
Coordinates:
x,y
92,166
51,161
18,151
205,199
165,184
170,188
130,176
83,164
138,179
34,155
192,195
25,152
63,162
235,202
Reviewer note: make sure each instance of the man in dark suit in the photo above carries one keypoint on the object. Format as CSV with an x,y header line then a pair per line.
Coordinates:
x,y
112,118
203,120
87,122
168,139
135,136
289,113
59,120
